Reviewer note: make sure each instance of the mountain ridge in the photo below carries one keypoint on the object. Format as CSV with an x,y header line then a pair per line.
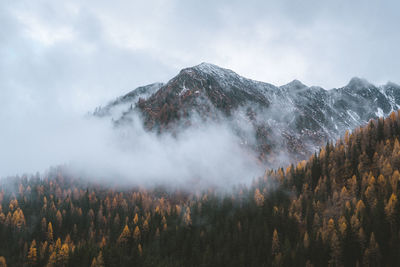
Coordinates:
x,y
293,117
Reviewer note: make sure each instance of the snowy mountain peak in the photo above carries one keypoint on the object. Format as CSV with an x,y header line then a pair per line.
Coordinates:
x,y
207,65
295,84
211,69
288,117
147,89
357,82
391,84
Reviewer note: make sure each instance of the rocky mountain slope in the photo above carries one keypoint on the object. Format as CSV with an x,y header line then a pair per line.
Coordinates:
x,y
293,119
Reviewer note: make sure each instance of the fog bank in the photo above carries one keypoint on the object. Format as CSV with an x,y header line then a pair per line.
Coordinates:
x,y
202,155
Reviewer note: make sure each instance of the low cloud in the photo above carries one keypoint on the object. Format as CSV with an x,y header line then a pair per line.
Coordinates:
x,y
60,59
208,154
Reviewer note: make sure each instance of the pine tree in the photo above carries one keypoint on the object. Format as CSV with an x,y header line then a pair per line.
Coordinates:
x,y
2,218
103,242
372,255
44,225
362,238
59,219
391,208
3,262
124,237
360,208
187,217
32,254
18,219
335,251
58,244
42,250
275,243
94,262
140,250
306,241
394,180
98,261
258,198
63,255
52,260
136,233
145,226
50,232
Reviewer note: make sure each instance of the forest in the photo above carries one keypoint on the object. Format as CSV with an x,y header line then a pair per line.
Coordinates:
x,y
338,208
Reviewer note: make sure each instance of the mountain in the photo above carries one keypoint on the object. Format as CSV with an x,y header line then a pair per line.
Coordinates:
x,y
126,102
292,118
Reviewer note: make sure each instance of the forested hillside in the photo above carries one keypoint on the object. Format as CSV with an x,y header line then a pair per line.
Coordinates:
x,y
339,208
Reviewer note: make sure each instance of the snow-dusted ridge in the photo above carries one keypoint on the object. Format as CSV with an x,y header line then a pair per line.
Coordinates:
x,y
293,116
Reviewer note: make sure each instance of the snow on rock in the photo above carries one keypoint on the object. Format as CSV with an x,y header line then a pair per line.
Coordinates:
x,y
291,115
380,113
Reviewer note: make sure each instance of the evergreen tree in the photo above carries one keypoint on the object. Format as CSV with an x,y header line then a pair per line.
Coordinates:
x,y
32,254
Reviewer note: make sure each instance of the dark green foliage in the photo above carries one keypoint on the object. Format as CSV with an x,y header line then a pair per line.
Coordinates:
x,y
339,208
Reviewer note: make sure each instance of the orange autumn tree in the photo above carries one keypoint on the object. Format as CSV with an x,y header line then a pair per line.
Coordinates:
x,y
32,254
125,235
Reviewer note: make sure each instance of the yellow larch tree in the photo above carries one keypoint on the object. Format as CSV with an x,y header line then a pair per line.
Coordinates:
x,y
390,208
50,232
124,236
140,250
145,226
59,219
52,260
63,255
98,261
32,254
136,233
275,243
258,198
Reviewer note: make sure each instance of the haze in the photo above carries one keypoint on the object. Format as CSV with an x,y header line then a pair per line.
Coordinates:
x,y
61,59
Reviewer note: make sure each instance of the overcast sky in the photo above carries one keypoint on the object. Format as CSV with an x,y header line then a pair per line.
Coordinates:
x,y
79,54
59,58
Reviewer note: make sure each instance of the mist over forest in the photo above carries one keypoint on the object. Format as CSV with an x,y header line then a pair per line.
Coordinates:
x,y
199,133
